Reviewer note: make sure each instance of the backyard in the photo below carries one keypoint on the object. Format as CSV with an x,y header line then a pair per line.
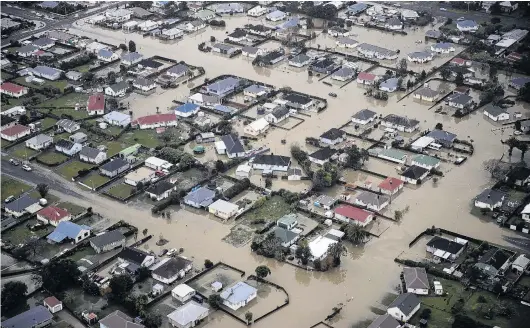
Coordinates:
x,y
52,158
147,138
21,234
265,211
12,187
72,169
121,190
95,180
69,100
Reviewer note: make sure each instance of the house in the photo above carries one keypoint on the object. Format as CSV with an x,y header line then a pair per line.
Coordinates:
x,y
322,156
442,137
131,58
364,117
490,199
404,307
53,215
420,57
15,132
47,72
171,269
337,31
237,36
92,155
160,191
107,55
287,221
393,155
183,293
206,100
521,264
205,15
74,75
78,137
66,231
443,248
422,143
117,119
255,91
13,90
201,197
7,121
300,60
467,26
158,164
107,241
393,24
224,48
205,137
140,175
223,87
276,15
325,201
496,113
243,171
27,50
118,15
298,101
350,214
118,319
525,213
253,52
390,186
357,8
53,304
320,245
460,101
427,94
67,125
427,162
257,11
372,201
366,78
257,127
231,146
188,315
238,295
271,162
400,123
223,209
494,262
67,147
150,65
114,167
155,121
278,115
323,66
136,256
194,26
385,321
286,237
22,205
39,142
345,42
94,47
519,176
443,47
332,137
416,280
35,317
187,110
343,74
117,89
178,71
389,85
372,51
229,8
414,174
96,104
172,33
519,82
144,84
259,29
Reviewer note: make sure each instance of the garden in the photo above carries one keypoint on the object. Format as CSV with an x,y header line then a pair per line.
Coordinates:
x,y
94,180
72,169
52,158
120,190
147,138
74,209
22,152
266,210
12,187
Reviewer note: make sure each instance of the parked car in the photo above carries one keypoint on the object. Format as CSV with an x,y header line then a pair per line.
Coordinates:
x,y
26,167
9,199
332,94
443,9
163,252
14,162
171,252
461,19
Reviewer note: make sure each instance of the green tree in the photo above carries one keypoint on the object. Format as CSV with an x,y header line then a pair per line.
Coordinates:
x,y
120,286
524,92
336,251
13,295
439,126
459,79
132,46
423,75
57,276
402,66
398,215
511,143
153,320
208,264
215,301
303,252
143,273
262,271
248,317
355,233
144,232
43,189
356,157
268,182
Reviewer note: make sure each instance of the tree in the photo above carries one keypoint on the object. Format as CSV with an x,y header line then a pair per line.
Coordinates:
x,y
355,233
23,119
398,215
335,251
303,252
423,75
132,46
439,126
123,47
58,275
42,188
90,287
268,182
426,313
144,232
356,157
13,295
262,271
208,264
153,320
143,273
459,79
111,103
524,92
215,301
523,147
511,143
120,286
248,316
220,166
495,8
402,66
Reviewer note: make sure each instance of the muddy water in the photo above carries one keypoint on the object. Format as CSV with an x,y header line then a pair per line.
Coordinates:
x,y
365,275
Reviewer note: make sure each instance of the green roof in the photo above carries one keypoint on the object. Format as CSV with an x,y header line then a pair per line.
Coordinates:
x,y
130,150
426,160
394,153
288,219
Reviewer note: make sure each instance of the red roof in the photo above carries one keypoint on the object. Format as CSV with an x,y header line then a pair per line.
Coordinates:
x,y
53,213
96,102
366,76
11,87
153,119
514,56
390,184
15,130
52,301
459,61
353,213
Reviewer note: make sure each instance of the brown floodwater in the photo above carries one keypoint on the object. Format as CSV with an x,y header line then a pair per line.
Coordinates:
x,y
366,273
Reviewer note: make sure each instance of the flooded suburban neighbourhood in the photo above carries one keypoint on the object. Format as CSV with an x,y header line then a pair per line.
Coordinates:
x,y
274,164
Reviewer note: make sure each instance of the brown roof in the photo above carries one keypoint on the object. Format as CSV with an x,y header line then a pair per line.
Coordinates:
x,y
52,301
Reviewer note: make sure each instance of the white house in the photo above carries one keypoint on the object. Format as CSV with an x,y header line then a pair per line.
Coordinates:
x,y
278,115
107,55
144,84
257,127
118,89
467,26
171,269
67,231
141,175
521,264
155,121
188,315
271,163
223,209
92,155
416,280
332,137
445,249
39,142
119,15
13,90
53,215
496,113
68,147
160,190
490,199
276,16
182,293
131,58
364,117
404,307
300,60
244,171
443,47
257,11
15,132
238,295
136,256
187,110
525,213
117,118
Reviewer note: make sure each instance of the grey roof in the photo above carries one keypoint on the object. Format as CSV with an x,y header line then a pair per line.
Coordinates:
x,y
490,196
520,81
140,12
143,82
202,196
63,143
294,171
301,58
233,144
284,235
31,318
40,139
416,278
495,257
406,303
250,50
172,267
255,88
323,154
385,321
442,135
27,48
346,40
21,203
466,23
414,172
118,319
445,245
116,87
296,98
401,120
107,238
433,34
375,49
364,114
332,134
420,54
390,83
160,187
325,200
272,159
188,313
133,255
89,152
394,21
224,84
442,45
67,124
43,42
238,293
131,56
149,62
426,92
288,219
280,112
224,46
74,75
460,98
178,69
114,165
345,72
494,110
45,70
238,33
371,198
105,53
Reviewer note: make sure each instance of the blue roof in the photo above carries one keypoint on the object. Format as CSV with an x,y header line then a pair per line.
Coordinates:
x,y
255,88
390,83
293,22
238,293
66,229
224,109
187,108
467,23
443,45
357,8
276,13
202,196
105,53
49,4
31,318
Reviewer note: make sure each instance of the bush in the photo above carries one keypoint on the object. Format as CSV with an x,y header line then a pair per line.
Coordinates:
x,y
208,264
426,313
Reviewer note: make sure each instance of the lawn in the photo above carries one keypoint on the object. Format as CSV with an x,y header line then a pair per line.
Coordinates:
x,y
21,234
121,190
148,138
72,208
48,122
5,76
271,209
114,147
82,68
12,102
60,136
110,130
52,158
49,197
4,143
71,169
61,84
22,152
69,100
12,187
95,180
87,251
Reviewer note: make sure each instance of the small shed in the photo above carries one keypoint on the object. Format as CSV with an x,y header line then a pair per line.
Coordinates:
x,y
216,286
157,289
53,304
183,292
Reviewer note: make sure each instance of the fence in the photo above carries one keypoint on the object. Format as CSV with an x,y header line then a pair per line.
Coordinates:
x,y
279,307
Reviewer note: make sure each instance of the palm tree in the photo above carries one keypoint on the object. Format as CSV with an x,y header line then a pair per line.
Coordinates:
x,y
336,250
511,143
355,233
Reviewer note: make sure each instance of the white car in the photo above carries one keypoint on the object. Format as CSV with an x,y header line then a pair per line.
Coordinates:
x,y
461,19
443,9
26,167
171,252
